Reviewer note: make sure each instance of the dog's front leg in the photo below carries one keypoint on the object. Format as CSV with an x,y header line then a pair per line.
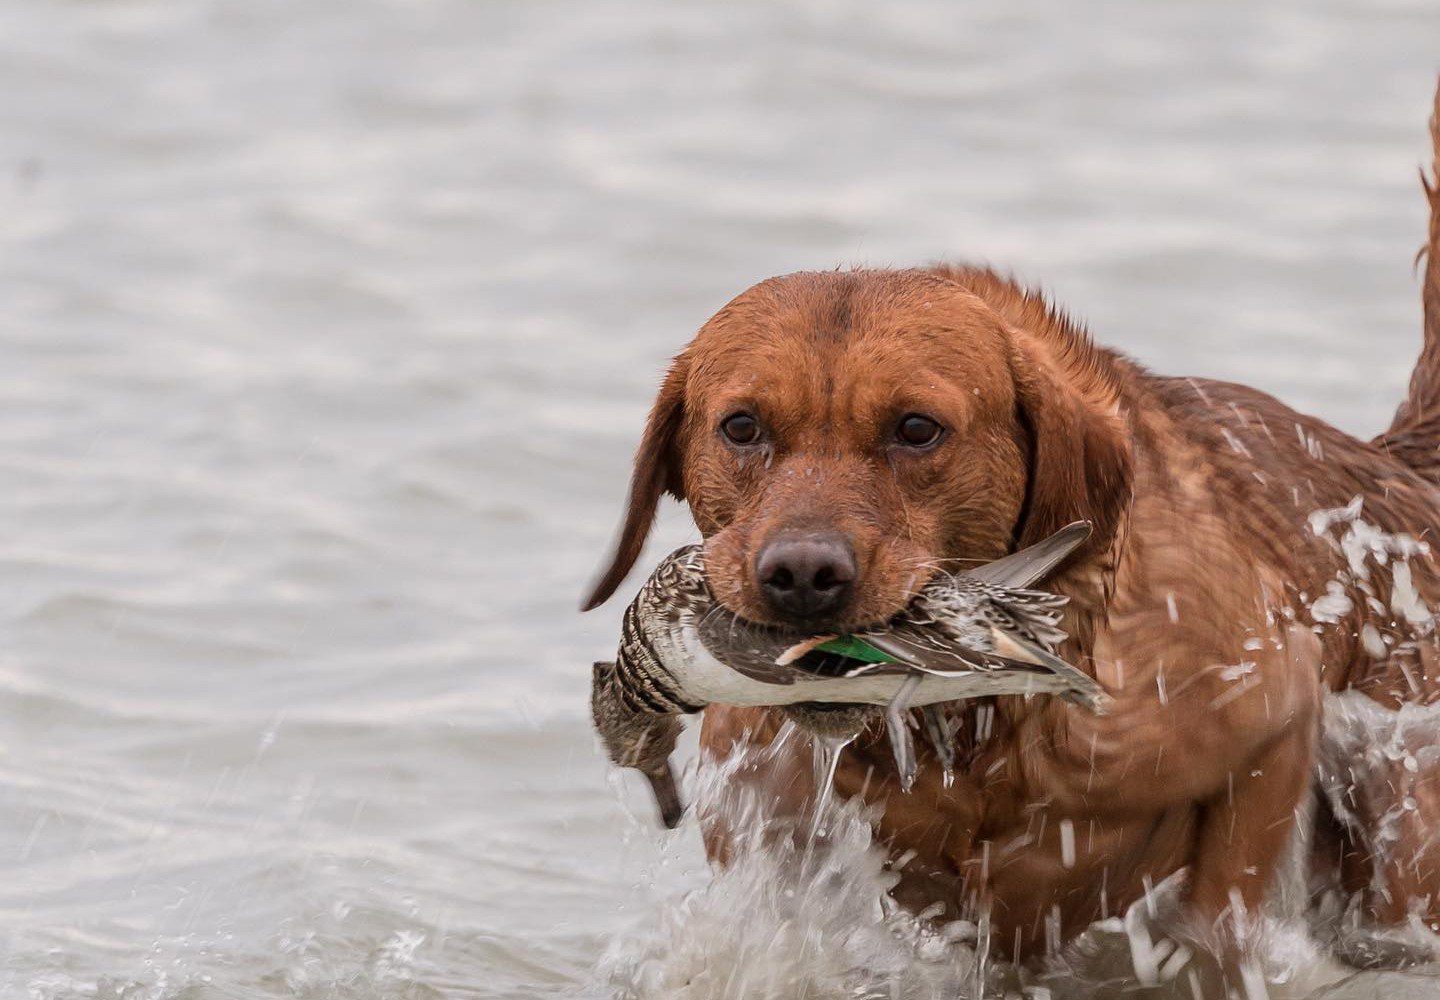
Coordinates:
x,y
1242,836
1227,733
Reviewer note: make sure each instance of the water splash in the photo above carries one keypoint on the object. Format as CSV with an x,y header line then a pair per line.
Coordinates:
x,y
826,749
788,917
1372,753
1366,547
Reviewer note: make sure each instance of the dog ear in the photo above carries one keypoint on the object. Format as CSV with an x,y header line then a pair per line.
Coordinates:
x,y
1081,467
657,471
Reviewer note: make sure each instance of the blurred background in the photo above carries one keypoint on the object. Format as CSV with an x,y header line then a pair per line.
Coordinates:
x,y
328,330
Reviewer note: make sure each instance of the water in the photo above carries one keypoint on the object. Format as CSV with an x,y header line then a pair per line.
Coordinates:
x,y
328,331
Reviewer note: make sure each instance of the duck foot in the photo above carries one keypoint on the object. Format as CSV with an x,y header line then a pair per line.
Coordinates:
x,y
897,724
937,731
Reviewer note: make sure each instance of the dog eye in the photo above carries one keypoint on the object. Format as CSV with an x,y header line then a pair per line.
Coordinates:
x,y
915,431
741,428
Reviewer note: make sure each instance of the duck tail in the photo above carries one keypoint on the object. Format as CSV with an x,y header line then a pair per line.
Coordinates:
x,y
1414,435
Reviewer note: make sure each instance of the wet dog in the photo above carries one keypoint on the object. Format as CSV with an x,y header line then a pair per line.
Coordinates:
x,y
840,435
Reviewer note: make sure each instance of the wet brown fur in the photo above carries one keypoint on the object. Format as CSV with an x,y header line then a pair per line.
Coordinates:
x,y
1191,603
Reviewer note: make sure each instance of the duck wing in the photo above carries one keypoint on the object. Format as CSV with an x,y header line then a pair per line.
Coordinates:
x,y
919,650
1080,687
1031,564
927,654
1034,615
921,653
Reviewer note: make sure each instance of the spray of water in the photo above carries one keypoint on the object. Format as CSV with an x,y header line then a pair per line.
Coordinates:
x,y
791,916
1369,753
809,916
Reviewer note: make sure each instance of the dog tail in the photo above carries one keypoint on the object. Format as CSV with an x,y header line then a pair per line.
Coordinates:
x,y
1414,435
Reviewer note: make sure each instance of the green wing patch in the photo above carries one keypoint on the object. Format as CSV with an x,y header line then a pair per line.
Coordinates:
x,y
856,648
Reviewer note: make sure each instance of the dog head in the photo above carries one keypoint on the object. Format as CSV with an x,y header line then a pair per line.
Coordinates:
x,y
840,436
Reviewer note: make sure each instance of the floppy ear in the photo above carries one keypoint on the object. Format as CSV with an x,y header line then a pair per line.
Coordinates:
x,y
657,471
1080,462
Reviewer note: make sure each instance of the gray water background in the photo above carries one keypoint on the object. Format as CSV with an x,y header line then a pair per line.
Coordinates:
x,y
328,329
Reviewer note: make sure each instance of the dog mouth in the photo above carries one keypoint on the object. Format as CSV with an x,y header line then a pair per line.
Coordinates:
x,y
745,641
825,578
870,609
770,648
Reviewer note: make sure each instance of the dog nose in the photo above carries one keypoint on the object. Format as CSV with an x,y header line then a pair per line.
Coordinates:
x,y
806,578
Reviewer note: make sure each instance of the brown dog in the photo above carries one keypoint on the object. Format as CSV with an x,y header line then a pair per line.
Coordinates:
x,y
839,435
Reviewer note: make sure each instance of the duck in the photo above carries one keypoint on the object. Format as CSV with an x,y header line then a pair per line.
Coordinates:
x,y
979,632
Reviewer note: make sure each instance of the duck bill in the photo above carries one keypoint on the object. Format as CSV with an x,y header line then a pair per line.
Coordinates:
x,y
667,796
